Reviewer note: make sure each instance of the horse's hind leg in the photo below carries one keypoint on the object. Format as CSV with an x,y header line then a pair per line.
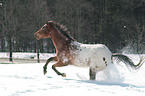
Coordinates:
x,y
45,66
92,73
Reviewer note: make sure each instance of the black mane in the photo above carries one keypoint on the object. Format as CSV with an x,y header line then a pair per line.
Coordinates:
x,y
63,30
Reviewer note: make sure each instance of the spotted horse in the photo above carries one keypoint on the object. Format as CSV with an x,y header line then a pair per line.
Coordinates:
x,y
70,52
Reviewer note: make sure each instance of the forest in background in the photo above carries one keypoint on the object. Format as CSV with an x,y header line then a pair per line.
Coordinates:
x,y
118,24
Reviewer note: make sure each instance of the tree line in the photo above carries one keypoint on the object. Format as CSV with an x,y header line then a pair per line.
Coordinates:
x,y
115,23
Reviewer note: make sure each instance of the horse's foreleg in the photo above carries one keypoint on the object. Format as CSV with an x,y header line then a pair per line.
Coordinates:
x,y
45,66
59,64
92,74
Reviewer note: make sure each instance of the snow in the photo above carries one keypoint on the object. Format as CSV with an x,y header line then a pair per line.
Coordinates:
x,y
28,80
23,55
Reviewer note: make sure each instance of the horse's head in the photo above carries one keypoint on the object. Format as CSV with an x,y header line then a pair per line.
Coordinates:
x,y
44,32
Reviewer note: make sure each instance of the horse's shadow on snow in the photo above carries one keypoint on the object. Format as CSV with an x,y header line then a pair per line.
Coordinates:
x,y
106,83
103,83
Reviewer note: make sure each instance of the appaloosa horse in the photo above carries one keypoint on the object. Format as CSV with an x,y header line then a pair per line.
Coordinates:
x,y
71,52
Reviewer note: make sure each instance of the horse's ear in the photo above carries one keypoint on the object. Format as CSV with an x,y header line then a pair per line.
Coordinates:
x,y
47,22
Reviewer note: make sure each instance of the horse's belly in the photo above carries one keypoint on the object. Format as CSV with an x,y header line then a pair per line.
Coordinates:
x,y
82,59
81,62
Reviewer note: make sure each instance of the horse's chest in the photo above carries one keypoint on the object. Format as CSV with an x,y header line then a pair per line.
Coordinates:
x,y
66,57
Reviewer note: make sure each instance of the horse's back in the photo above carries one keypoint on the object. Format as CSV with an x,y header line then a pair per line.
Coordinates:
x,y
98,49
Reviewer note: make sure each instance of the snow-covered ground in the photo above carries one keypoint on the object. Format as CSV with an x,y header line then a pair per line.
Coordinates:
x,y
28,80
25,55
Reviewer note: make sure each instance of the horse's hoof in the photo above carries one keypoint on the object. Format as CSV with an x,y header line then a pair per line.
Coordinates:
x,y
63,75
44,72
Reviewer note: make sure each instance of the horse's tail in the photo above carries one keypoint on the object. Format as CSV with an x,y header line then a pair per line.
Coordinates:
x,y
128,62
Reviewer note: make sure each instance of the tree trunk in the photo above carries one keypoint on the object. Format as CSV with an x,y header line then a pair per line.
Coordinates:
x,y
10,48
2,45
37,45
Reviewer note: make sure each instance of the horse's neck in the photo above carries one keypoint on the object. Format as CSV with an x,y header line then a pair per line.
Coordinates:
x,y
58,39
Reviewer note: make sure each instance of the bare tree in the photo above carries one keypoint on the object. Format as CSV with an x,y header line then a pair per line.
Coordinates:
x,y
38,15
77,15
9,23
